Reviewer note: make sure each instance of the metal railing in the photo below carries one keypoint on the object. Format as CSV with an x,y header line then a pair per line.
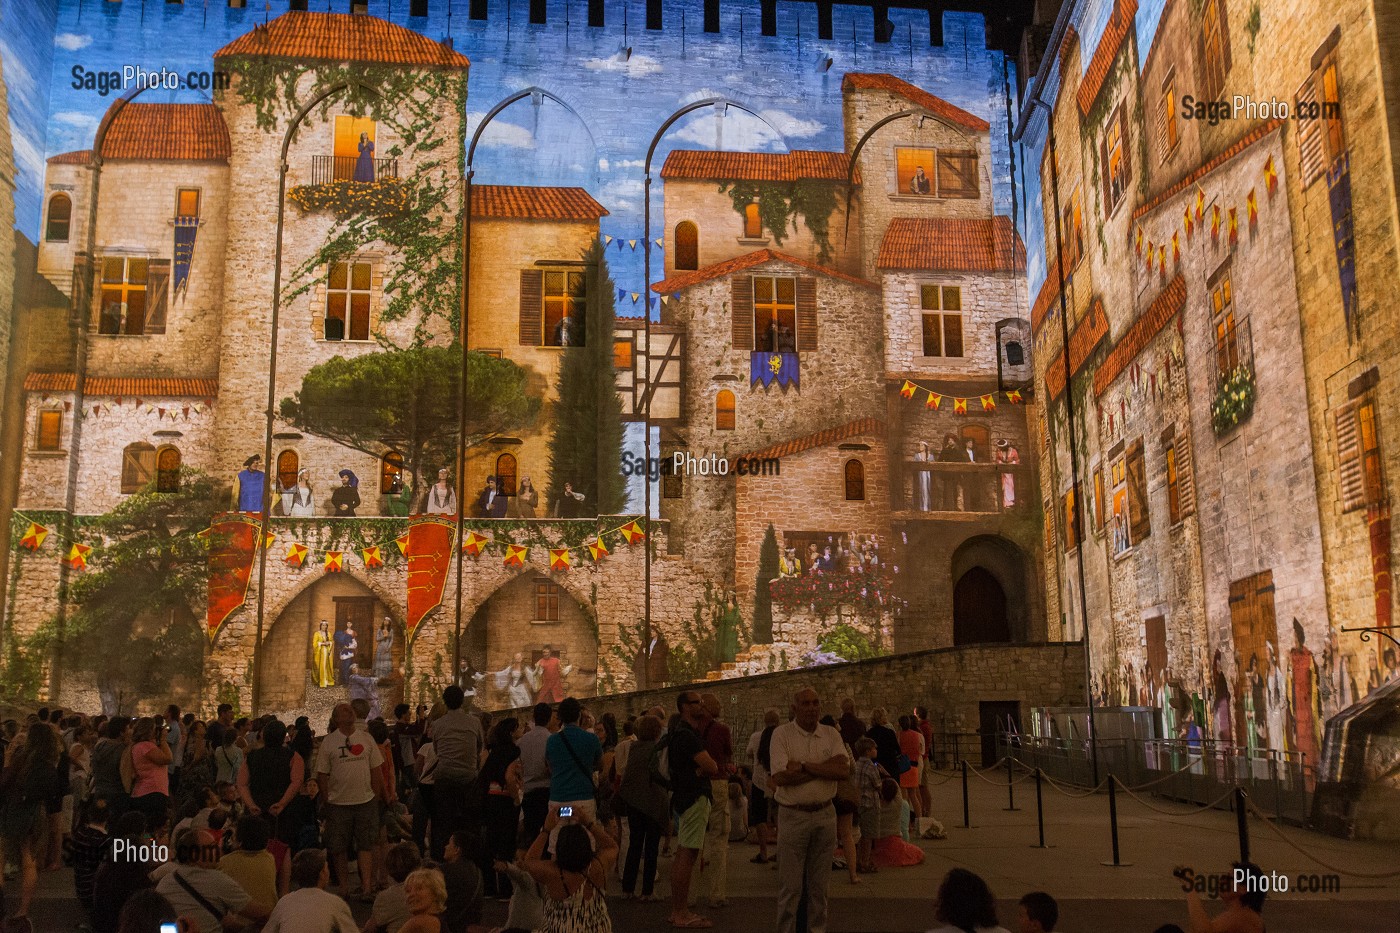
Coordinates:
x,y
966,487
326,169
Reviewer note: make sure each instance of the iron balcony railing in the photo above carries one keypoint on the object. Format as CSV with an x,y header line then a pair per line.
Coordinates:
x,y
964,487
327,169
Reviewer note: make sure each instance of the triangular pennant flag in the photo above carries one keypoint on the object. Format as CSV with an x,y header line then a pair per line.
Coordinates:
x,y
1186,219
296,554
268,538
473,543
1176,247
34,536
1139,241
651,303
77,556
558,558
619,246
632,244
402,542
989,403
335,561
1214,222
597,549
635,296
659,244
621,294
371,556
1252,204
1014,396
1270,176
1150,250
632,532
515,555
907,390
960,406
607,240
1234,227
1200,205
934,401
1162,259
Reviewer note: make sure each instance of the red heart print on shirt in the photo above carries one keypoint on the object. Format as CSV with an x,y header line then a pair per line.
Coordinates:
x,y
356,749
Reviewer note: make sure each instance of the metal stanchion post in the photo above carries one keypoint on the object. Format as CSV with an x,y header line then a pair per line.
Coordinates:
x,y
1010,791
1278,785
1039,812
1242,823
1113,822
967,823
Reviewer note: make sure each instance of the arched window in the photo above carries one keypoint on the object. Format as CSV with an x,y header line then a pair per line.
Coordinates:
x,y
288,465
855,480
138,467
391,473
60,218
168,469
753,224
724,410
687,254
505,474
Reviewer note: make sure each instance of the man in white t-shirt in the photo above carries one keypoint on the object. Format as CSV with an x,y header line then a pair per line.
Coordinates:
x,y
806,759
347,768
198,890
311,908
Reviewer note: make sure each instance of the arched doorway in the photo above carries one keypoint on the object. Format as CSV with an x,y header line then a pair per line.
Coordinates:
x,y
531,612
979,609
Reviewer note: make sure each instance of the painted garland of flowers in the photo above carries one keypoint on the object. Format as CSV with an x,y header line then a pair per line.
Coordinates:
x,y
869,589
1234,402
386,196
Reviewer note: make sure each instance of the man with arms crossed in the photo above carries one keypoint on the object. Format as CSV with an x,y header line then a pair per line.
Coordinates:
x,y
807,759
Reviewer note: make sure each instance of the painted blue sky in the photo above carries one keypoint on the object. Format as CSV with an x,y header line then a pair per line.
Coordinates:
x,y
27,29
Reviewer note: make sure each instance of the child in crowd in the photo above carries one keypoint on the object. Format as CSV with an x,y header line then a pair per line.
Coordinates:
x,y
89,843
867,781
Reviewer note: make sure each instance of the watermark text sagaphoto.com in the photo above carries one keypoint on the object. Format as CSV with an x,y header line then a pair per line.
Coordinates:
x,y
138,77
1212,884
682,463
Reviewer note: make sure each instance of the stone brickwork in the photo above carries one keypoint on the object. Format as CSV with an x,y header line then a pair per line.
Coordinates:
x,y
986,300
55,261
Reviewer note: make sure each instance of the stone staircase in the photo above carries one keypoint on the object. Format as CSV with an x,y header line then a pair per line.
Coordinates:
x,y
758,659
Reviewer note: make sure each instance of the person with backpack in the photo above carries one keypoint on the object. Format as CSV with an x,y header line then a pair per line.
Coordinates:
x,y
573,754
107,757
689,767
644,797
198,890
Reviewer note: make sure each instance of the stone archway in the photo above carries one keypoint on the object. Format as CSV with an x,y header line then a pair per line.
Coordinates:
x,y
979,609
990,589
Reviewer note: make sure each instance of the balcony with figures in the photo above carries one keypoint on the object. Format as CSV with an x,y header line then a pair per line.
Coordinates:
x,y
348,185
960,492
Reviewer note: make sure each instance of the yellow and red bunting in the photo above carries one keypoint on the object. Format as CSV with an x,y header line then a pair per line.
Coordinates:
x,y
907,390
268,538
472,543
335,561
1014,396
402,542
1176,248
34,536
1162,259
296,554
1270,176
1186,219
558,558
959,406
1215,223
1138,243
597,549
1252,204
632,532
372,557
1234,227
934,400
515,555
77,556
1200,205
989,403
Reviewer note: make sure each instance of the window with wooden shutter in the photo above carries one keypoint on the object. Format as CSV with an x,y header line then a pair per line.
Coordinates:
x,y
1139,522
138,467
1351,476
531,304
1098,500
957,173
741,311
157,295
855,480
50,433
806,313
1212,50
1167,130
1185,475
1312,159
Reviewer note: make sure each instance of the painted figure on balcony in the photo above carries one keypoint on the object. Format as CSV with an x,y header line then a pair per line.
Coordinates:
x,y
345,645
299,500
551,672
322,655
952,489
526,499
518,681
442,498
346,497
1007,454
384,651
364,165
1220,703
249,485
923,480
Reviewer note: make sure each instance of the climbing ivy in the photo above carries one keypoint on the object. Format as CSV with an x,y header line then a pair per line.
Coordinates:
x,y
781,204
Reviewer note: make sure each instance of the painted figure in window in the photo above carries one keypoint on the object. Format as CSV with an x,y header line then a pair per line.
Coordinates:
x,y
652,666
551,673
569,331
299,500
490,504
249,485
346,497
345,645
1275,701
442,498
1302,694
323,656
384,650
923,479
570,504
919,183
790,565
518,681
364,165
526,499
364,687
1009,455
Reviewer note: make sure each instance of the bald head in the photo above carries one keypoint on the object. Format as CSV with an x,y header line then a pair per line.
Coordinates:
x,y
806,708
344,717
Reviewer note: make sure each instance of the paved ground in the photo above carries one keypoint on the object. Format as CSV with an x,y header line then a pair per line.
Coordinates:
x,y
1135,898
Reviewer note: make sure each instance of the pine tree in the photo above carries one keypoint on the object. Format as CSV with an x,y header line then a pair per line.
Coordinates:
x,y
762,599
585,448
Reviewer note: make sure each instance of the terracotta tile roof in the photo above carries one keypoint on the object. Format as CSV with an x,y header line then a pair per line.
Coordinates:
x,y
756,166
935,105
1234,149
1083,341
1163,309
194,132
1120,22
76,157
341,37
683,280
118,386
1048,298
946,244
860,426
530,202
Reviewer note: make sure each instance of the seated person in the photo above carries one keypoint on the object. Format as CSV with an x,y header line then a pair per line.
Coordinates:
x,y
251,865
310,908
891,848
390,911
199,891
465,888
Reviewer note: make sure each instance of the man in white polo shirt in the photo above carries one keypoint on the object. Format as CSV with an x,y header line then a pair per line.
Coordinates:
x,y
807,759
347,768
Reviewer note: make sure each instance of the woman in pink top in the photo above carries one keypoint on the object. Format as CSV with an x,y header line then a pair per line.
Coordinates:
x,y
150,760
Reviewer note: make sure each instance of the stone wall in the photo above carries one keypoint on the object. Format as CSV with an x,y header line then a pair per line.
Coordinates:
x,y
55,260
986,299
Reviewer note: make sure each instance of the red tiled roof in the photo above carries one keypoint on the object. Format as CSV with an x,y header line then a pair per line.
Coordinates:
x,y
1086,338
530,202
193,132
1119,23
1049,295
76,157
115,385
1234,149
756,166
683,280
820,439
1163,309
945,244
935,105
341,37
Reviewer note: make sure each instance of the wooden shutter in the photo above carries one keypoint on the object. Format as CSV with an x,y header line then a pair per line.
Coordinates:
x,y
531,307
1127,149
806,313
157,294
1185,479
1160,125
1224,41
1312,159
1103,169
1350,476
79,292
1139,522
741,311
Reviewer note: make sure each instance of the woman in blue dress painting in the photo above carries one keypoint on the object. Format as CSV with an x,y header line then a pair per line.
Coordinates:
x,y
364,165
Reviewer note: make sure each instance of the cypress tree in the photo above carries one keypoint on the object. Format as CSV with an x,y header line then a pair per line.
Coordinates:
x,y
762,599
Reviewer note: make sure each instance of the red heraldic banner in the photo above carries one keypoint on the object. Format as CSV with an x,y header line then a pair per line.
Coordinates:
x,y
429,554
233,543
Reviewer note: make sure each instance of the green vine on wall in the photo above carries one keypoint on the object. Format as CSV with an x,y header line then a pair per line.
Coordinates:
x,y
781,204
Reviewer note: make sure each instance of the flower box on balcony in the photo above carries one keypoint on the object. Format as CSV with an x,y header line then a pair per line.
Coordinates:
x,y
1234,400
386,196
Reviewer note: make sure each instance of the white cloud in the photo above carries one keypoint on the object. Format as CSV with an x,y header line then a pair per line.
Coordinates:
x,y
623,194
72,41
18,80
738,131
621,165
73,129
29,159
500,134
638,66
1035,271
791,126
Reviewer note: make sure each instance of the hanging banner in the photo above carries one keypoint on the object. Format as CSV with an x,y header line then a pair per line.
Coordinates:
x,y
233,541
186,228
34,536
429,554
766,368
